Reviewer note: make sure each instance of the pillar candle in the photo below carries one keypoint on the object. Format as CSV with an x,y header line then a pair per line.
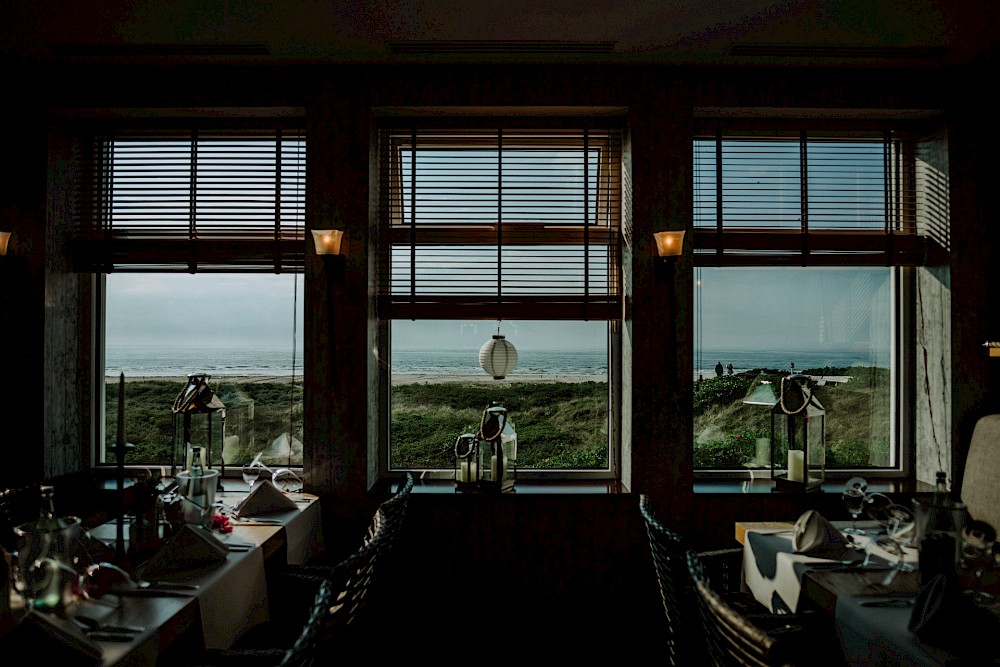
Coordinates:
x,y
763,452
796,465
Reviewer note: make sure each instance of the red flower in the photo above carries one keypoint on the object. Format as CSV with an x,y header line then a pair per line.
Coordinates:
x,y
220,522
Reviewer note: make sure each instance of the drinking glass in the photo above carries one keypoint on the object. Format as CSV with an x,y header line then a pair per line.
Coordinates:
x,y
286,480
251,473
978,540
902,528
855,496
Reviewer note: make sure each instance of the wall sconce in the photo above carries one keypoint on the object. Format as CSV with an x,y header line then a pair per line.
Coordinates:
x,y
328,241
992,348
4,240
669,244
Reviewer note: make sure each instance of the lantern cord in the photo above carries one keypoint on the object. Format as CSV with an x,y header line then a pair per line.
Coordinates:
x,y
482,425
805,403
291,390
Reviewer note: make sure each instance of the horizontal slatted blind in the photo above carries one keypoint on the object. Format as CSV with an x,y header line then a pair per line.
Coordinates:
x,y
815,200
191,200
501,223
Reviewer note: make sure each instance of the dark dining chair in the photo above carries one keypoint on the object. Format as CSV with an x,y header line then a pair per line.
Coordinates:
x,y
394,510
339,601
737,638
357,579
683,642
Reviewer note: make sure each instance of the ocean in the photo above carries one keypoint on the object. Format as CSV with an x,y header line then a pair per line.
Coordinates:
x,y
139,361
782,360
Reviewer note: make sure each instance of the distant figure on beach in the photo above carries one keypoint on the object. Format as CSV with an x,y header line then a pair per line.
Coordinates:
x,y
718,369
730,369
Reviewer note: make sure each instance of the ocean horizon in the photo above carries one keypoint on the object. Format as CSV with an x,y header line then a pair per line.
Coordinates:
x,y
140,361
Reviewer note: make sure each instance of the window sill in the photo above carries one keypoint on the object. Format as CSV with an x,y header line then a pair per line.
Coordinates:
x,y
526,487
738,486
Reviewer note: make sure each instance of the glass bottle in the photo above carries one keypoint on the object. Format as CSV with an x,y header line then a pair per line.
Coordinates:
x,y
197,468
197,495
47,521
45,575
942,535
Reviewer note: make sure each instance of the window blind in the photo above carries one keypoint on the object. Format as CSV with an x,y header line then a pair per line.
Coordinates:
x,y
501,223
191,200
818,199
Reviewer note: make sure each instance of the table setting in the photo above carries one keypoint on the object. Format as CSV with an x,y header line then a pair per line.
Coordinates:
x,y
95,598
899,589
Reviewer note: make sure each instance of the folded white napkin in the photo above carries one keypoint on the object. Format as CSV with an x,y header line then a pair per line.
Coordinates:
x,y
817,537
264,499
192,547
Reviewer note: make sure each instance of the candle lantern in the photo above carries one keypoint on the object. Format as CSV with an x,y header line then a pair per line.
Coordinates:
x,y
798,434
195,423
467,462
487,460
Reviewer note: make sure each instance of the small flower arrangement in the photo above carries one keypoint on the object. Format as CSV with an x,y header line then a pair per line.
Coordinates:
x,y
220,522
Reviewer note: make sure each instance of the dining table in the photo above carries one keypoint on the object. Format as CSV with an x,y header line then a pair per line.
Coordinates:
x,y
872,606
209,606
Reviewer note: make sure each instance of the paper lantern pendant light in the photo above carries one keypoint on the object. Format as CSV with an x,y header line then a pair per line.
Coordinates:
x,y
498,357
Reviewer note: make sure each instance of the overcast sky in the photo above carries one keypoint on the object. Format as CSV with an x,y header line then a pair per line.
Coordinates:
x,y
740,309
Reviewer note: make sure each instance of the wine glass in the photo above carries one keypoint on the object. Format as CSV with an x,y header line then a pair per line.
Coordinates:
x,y
978,540
251,473
286,480
855,496
901,528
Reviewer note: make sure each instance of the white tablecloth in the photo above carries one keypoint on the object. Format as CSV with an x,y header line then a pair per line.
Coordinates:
x,y
767,579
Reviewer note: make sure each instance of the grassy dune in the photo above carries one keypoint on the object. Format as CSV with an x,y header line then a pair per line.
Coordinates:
x,y
559,424
857,418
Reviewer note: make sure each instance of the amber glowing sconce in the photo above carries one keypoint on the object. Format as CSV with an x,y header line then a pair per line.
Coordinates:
x,y
328,241
4,240
669,244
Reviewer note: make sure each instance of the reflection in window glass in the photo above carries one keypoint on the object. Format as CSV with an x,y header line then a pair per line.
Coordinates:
x,y
755,325
243,330
556,396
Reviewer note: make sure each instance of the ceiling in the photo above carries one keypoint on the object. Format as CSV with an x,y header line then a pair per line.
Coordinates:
x,y
837,32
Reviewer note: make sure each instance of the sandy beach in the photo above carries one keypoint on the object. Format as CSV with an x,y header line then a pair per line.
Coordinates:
x,y
400,379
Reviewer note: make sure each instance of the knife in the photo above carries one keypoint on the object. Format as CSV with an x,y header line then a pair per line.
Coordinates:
x,y
156,592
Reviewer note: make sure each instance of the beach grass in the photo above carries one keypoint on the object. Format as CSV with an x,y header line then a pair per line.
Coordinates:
x,y
561,423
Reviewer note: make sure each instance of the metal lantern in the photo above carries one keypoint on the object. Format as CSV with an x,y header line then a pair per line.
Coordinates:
x,y
194,423
798,434
487,460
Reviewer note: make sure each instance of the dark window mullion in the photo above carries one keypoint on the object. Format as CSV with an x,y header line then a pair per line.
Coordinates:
x,y
719,246
804,193
499,216
413,212
193,203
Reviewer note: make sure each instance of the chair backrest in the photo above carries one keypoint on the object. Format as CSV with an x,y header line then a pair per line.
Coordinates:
x,y
395,508
356,575
305,651
670,564
734,640
980,490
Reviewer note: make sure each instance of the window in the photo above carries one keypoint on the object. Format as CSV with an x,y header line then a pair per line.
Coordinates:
x,y
508,231
195,234
808,248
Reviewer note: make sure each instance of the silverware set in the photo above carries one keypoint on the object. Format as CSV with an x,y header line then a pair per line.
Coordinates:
x,y
109,632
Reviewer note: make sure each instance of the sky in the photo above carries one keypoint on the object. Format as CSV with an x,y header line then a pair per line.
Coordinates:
x,y
738,309
177,309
